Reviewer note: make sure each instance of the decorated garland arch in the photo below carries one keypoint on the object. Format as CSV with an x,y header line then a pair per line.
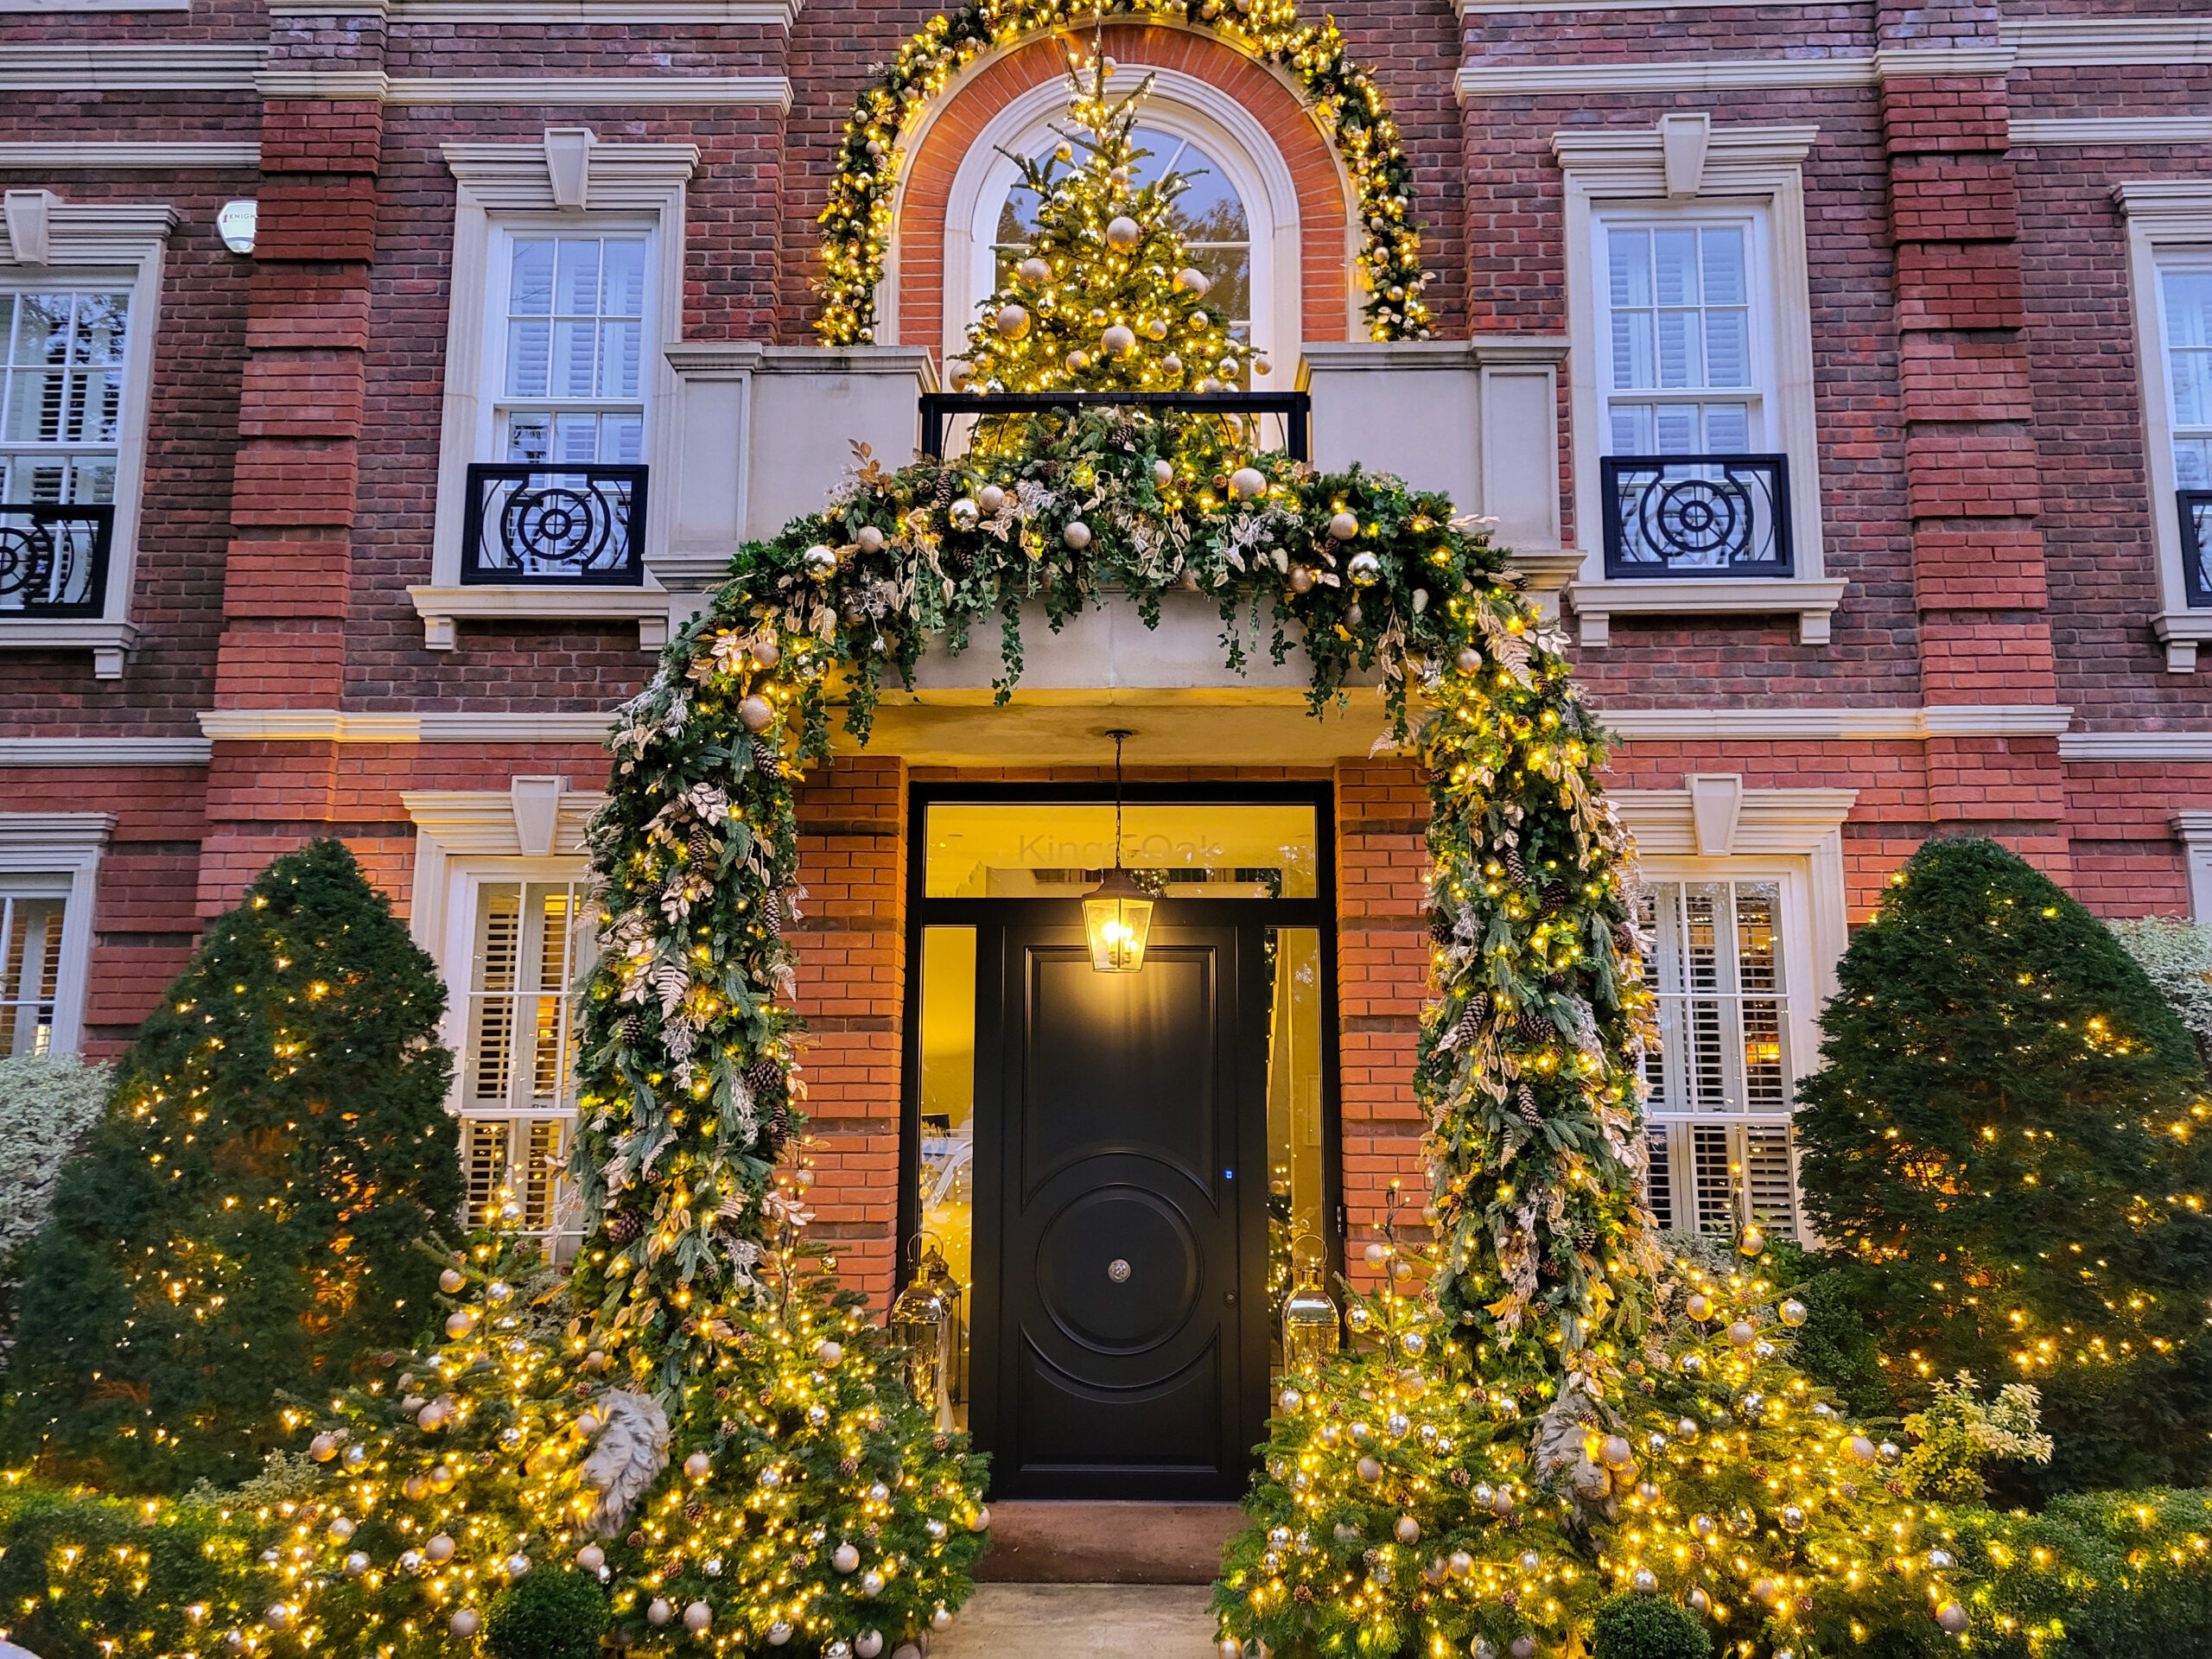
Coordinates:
x,y
856,225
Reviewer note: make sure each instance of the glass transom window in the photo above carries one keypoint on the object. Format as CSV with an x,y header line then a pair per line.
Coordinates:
x,y
1179,850
572,385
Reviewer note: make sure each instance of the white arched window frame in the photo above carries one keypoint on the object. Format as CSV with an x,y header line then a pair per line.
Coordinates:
x,y
1178,104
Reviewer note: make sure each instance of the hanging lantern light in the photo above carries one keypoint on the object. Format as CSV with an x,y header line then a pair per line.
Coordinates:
x,y
1118,912
1311,1327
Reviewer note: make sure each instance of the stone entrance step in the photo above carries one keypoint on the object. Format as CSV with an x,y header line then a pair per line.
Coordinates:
x,y
1076,1621
1106,1544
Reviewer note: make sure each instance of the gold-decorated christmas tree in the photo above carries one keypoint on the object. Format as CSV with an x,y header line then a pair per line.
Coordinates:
x,y
1105,297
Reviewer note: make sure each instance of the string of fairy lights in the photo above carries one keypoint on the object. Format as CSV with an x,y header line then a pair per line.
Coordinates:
x,y
858,221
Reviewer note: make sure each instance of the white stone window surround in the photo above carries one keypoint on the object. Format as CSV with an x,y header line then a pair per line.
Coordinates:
x,y
1181,105
571,180
48,243
466,839
65,848
2167,219
1689,164
1715,830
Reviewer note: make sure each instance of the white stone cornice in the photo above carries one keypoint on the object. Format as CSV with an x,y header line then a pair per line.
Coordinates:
x,y
2129,130
136,65
2136,745
1520,78
2083,40
1635,159
334,726
1812,600
572,167
39,833
1813,725
487,823
105,751
772,14
647,91
335,85
62,155
1787,822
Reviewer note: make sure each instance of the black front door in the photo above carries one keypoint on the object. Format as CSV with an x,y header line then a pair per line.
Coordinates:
x,y
1119,1344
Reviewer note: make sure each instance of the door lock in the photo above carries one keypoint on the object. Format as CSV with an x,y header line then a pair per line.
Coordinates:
x,y
1228,1299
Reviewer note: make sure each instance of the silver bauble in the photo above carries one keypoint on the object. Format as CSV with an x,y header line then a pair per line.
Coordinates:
x,y
779,1633
465,1622
869,539
1194,281
871,1583
356,1564
1370,1470
1365,568
754,714
1793,1313
697,1616
821,562
1247,482
1122,232
845,1559
439,1546
1012,320
941,1620
1118,341
1034,271
867,1644
659,1612
1407,1531
1076,534
966,514
990,498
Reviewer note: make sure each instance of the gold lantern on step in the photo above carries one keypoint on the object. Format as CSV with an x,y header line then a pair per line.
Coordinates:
x,y
925,1325
1313,1324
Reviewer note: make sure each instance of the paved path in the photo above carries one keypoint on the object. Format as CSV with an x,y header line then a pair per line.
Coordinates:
x,y
1073,1621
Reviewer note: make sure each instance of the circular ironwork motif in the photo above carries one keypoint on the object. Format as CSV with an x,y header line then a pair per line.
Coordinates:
x,y
1696,519
559,523
26,558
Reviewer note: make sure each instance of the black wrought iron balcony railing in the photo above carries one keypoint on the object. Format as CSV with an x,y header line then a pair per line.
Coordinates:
x,y
53,557
2195,509
1296,409
1696,516
529,523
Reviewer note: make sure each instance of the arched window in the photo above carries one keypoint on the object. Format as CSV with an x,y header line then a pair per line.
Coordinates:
x,y
1241,214
1210,215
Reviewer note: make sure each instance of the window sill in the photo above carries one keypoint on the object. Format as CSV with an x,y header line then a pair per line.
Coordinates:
x,y
442,608
2181,632
1813,601
110,643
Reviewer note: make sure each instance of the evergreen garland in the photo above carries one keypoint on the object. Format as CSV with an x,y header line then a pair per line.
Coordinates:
x,y
243,1221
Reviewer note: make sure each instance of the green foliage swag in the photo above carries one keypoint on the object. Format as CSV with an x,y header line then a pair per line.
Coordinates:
x,y
2007,1147
1644,1627
242,1223
547,1616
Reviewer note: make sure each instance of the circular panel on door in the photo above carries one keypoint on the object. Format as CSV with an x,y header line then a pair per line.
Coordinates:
x,y
1118,1270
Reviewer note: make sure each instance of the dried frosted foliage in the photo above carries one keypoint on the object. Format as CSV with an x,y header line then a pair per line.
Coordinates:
x,y
48,1103
2177,958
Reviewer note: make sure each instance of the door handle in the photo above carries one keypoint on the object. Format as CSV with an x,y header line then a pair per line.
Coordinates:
x,y
1228,1299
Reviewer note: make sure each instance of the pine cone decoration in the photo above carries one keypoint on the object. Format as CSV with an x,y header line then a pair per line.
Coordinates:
x,y
633,1029
1515,868
772,913
1624,938
623,1226
1555,895
1535,1027
1303,1595
948,484
1471,1019
1124,435
960,560
1585,1236
766,762
695,1512
1556,979
701,847
1526,1100
1439,929
849,1467
764,1078
779,1122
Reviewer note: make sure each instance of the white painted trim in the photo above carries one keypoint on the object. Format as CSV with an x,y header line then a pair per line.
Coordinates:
x,y
48,156
2164,216
646,91
2114,129
2193,829
136,65
473,827
570,180
1814,725
51,7
2083,40
1736,165
332,726
772,13
94,245
1181,105
105,751
2185,747
69,844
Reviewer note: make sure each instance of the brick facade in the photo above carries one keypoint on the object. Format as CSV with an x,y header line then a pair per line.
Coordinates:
x,y
1977,393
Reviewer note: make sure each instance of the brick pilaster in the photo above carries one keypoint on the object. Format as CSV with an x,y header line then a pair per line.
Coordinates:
x,y
288,566
1972,477
1382,981
851,947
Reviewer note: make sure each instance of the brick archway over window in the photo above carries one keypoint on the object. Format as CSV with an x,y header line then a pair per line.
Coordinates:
x,y
1328,257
